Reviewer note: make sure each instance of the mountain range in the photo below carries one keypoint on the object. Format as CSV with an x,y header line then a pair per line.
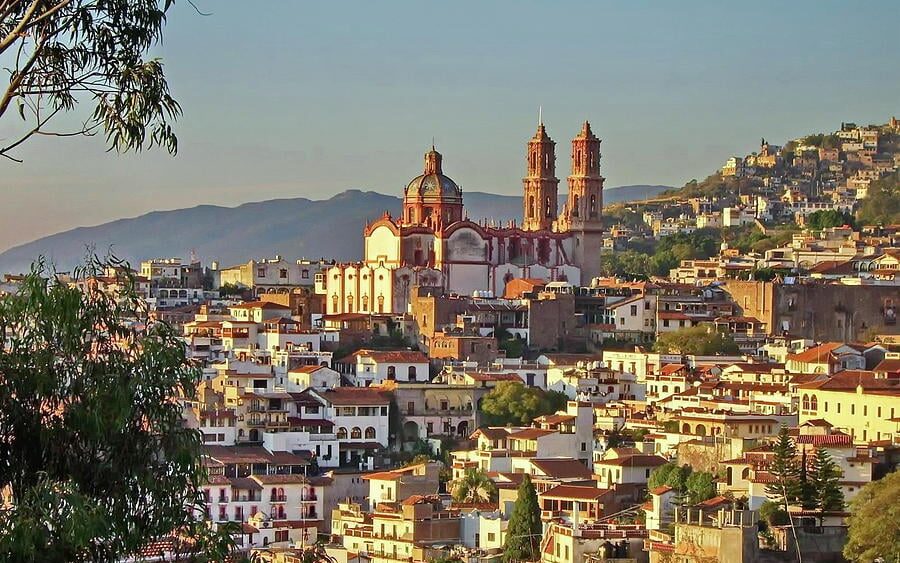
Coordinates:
x,y
296,227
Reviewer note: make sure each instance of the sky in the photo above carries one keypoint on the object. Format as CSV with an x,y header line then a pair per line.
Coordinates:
x,y
307,99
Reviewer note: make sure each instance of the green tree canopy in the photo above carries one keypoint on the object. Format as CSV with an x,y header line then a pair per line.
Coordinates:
x,y
773,513
92,446
786,487
523,536
701,486
474,486
825,483
875,522
881,205
512,402
701,340
827,218
66,52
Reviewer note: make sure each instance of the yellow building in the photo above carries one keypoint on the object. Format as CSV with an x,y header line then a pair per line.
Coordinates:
x,y
861,403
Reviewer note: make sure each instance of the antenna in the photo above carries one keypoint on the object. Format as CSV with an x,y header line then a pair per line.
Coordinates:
x,y
432,142
540,115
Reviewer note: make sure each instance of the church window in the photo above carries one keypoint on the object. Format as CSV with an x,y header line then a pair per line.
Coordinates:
x,y
532,210
576,203
548,207
593,206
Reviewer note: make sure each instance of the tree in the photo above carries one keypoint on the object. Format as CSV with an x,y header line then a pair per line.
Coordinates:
x,y
785,470
511,402
474,487
63,52
660,475
874,523
523,536
881,205
700,486
700,340
94,454
827,218
773,514
825,483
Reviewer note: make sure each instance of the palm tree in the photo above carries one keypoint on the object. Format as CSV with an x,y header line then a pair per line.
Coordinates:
x,y
474,486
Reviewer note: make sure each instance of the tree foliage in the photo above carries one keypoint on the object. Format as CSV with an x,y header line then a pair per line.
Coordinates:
x,y
875,522
474,487
92,447
701,340
512,402
773,513
63,52
881,205
785,470
827,218
825,483
523,536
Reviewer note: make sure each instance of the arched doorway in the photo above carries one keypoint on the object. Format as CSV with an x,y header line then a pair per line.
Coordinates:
x,y
410,431
254,435
462,429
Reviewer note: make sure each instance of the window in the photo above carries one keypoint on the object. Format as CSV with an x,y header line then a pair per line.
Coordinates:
x,y
410,407
412,373
304,274
260,272
281,535
342,433
383,411
666,323
282,273
356,433
392,373
634,310
370,433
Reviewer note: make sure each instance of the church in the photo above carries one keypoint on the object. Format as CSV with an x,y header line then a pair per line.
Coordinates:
x,y
433,243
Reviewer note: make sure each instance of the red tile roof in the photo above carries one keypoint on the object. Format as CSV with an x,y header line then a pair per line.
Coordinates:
x,y
639,460
349,396
562,468
575,492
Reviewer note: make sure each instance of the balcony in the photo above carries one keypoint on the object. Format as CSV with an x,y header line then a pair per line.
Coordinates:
x,y
246,498
309,498
222,499
278,498
256,423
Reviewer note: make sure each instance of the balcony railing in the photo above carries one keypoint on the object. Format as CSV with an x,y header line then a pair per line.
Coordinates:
x,y
278,498
246,498
223,499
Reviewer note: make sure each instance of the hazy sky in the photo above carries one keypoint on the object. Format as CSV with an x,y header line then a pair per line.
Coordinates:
x,y
286,99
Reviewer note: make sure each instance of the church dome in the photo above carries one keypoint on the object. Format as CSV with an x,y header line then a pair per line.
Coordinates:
x,y
433,184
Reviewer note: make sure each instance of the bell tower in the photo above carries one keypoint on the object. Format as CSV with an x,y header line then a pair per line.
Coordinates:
x,y
540,184
584,205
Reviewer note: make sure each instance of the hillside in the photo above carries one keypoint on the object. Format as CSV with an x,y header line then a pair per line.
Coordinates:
x,y
295,227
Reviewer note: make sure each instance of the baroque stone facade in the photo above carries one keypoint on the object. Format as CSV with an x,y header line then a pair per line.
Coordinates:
x,y
434,244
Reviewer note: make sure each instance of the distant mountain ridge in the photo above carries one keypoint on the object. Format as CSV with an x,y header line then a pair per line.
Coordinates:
x,y
295,227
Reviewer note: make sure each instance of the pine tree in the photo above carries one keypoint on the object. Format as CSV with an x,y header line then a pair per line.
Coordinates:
x,y
785,470
523,536
825,480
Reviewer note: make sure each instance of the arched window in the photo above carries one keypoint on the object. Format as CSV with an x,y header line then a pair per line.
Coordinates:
x,y
548,207
370,433
805,402
593,210
814,403
411,372
532,207
356,433
575,204
686,428
745,474
342,433
392,373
